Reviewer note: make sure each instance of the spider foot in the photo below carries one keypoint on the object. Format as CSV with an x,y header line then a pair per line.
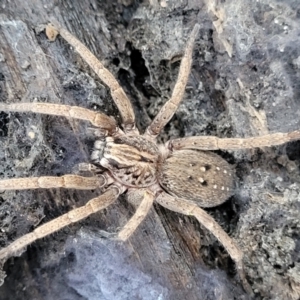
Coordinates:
x,y
245,283
84,167
108,235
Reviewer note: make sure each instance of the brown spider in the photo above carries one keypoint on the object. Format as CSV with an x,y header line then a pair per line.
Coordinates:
x,y
176,175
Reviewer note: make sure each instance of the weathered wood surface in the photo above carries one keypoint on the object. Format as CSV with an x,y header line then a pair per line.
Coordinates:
x,y
242,84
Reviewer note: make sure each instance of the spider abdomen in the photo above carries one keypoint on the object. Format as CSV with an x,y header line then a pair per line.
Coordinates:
x,y
203,177
131,160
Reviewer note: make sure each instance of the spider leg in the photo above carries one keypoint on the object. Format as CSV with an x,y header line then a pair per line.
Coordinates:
x,y
170,107
117,92
97,119
144,200
215,143
47,182
75,215
187,208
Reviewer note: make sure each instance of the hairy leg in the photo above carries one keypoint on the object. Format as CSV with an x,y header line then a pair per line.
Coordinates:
x,y
145,203
187,208
117,93
47,182
100,120
75,215
170,107
215,143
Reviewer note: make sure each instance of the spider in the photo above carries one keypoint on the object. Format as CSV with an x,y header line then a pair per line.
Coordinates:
x,y
179,175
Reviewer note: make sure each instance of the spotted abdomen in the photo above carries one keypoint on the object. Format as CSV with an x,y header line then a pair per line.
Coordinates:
x,y
202,177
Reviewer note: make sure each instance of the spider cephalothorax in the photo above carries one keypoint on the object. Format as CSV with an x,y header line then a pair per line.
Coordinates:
x,y
132,160
178,175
